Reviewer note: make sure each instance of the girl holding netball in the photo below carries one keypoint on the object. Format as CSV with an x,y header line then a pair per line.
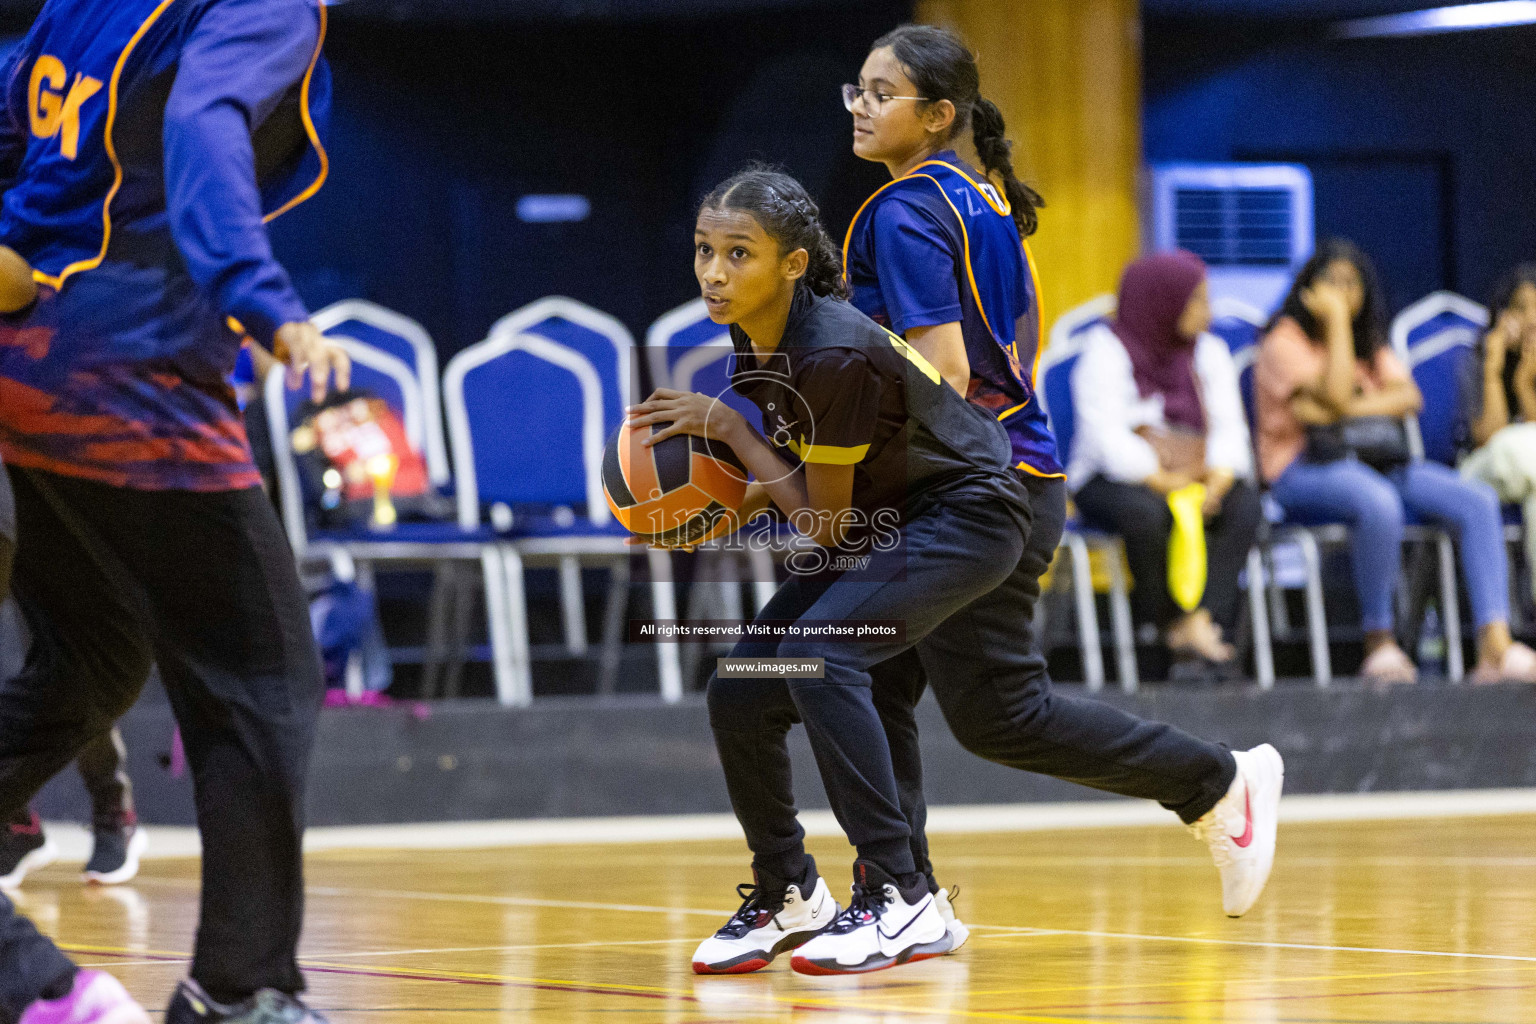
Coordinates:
x,y
863,429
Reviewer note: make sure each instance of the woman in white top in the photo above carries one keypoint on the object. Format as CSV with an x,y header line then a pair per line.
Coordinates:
x,y
1158,408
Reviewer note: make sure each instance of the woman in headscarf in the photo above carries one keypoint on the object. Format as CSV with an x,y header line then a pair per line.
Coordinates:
x,y
1158,409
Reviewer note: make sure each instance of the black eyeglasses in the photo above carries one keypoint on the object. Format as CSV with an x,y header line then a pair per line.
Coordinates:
x,y
874,100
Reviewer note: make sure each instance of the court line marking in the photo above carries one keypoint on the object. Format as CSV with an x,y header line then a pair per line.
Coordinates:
x,y
1275,998
507,949
510,901
167,842
1252,942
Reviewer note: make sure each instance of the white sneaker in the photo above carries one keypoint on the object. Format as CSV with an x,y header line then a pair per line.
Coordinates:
x,y
958,932
768,923
116,855
1240,830
879,929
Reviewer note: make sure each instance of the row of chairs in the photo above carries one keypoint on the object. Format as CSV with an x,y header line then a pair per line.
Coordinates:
x,y
1432,337
528,409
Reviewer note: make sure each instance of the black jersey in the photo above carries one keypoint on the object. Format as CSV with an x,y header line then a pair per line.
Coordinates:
x,y
842,390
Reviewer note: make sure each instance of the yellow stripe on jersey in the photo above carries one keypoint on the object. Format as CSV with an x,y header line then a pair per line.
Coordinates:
x,y
827,454
915,358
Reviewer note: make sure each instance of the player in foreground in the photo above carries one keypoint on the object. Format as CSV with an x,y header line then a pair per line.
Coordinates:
x,y
38,983
997,702
130,167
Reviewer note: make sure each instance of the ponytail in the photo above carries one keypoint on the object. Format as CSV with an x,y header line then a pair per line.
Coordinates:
x,y
790,217
996,152
942,68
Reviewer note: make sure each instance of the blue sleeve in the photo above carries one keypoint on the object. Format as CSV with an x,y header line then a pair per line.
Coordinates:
x,y
239,61
916,259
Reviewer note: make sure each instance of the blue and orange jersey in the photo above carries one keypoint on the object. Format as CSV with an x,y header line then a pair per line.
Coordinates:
x,y
144,145
939,245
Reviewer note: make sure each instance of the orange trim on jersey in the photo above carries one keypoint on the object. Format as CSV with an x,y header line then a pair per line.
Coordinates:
x,y
309,130
117,168
1032,471
1009,412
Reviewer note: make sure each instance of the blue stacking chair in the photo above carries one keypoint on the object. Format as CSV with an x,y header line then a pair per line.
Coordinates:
x,y
390,378
409,343
1434,336
1440,333
529,409
608,348
1054,386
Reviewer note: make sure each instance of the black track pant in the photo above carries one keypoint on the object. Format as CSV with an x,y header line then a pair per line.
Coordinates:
x,y
952,554
991,683
202,584
103,768
30,966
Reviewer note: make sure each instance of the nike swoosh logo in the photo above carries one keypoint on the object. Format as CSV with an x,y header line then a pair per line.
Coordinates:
x,y
1247,836
904,927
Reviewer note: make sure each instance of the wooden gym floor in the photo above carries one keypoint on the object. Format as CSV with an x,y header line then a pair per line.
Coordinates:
x,y
1401,921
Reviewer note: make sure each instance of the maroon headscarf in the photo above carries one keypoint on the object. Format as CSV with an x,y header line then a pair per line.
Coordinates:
x,y
1153,294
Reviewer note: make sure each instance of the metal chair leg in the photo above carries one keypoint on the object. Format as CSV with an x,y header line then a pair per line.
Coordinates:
x,y
664,605
1263,651
573,610
1120,622
1317,618
764,579
613,627
517,659
1450,610
1087,613
496,625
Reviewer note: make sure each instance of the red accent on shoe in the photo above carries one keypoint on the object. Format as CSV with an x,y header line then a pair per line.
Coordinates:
x,y
745,967
1247,836
32,828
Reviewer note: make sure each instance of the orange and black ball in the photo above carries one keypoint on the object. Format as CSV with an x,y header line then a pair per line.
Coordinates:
x,y
680,491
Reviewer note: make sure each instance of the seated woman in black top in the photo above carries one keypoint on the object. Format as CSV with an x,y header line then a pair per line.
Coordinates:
x,y
1158,409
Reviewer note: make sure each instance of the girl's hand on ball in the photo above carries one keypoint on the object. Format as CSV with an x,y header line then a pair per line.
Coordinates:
x,y
684,412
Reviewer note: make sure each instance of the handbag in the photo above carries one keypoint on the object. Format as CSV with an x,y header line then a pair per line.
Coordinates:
x,y
1380,442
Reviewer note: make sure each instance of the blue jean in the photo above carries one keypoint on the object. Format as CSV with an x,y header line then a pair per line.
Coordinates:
x,y
1375,507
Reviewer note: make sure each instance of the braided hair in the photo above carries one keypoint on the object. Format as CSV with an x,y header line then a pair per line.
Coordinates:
x,y
942,68
789,216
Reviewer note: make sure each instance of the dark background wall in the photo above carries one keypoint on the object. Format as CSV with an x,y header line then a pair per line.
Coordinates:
x,y
439,128
1422,149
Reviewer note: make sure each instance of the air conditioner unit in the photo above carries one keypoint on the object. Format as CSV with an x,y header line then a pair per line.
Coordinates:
x,y
1251,223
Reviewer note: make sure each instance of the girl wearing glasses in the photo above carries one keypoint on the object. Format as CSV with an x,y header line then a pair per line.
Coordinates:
x,y
937,255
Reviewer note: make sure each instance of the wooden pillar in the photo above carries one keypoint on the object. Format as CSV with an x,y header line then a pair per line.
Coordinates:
x,y
1067,76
